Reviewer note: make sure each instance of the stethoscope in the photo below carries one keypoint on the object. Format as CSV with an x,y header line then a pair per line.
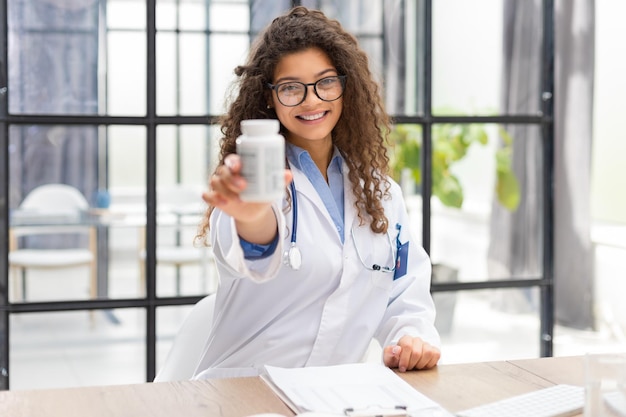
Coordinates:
x,y
292,257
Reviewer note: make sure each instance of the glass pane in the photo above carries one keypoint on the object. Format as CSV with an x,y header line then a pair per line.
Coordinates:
x,y
373,47
264,11
52,191
404,85
169,320
484,325
193,74
167,74
126,173
84,222
126,14
226,52
126,73
185,154
487,201
53,56
405,168
357,17
468,58
230,16
609,285
192,15
78,348
166,14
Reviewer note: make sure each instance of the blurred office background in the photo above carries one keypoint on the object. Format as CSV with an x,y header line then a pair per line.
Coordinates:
x,y
513,105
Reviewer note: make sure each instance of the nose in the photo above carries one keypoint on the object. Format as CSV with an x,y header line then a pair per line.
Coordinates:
x,y
311,96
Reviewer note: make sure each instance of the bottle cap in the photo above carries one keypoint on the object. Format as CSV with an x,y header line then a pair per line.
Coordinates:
x,y
259,126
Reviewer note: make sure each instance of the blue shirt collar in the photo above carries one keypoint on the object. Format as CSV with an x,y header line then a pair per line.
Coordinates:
x,y
297,155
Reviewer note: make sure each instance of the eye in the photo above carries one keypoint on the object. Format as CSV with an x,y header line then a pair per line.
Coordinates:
x,y
289,88
328,82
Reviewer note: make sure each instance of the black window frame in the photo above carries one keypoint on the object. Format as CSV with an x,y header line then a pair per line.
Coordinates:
x,y
151,121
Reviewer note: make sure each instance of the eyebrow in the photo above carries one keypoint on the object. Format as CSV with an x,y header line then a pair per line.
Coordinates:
x,y
319,74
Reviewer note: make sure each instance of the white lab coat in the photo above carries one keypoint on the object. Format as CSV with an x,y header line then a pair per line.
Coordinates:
x,y
325,313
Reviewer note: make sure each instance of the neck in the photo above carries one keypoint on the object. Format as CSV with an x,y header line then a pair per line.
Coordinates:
x,y
321,152
322,159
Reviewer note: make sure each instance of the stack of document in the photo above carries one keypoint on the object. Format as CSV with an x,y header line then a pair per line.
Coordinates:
x,y
360,389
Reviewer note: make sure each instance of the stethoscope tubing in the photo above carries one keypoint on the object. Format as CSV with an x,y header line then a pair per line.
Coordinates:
x,y
294,202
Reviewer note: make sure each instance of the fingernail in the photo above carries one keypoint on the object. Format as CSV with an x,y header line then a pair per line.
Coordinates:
x,y
402,369
396,350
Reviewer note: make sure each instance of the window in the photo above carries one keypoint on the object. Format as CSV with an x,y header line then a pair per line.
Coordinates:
x,y
119,99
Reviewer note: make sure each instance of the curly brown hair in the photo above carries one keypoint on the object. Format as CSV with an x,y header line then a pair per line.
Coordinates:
x,y
362,130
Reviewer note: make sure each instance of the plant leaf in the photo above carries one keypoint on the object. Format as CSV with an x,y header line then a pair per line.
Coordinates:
x,y
507,190
449,191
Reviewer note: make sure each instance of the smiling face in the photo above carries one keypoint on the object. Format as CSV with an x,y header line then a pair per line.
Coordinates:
x,y
310,123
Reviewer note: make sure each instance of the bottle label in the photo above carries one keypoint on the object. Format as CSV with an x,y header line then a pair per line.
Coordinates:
x,y
263,169
263,164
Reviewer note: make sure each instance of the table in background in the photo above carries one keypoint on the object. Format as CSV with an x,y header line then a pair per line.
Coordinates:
x,y
456,387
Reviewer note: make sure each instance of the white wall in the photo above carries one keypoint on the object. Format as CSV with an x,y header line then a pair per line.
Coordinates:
x,y
608,195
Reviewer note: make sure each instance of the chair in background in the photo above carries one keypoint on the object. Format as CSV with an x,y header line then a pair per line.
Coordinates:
x,y
179,257
179,213
51,210
189,342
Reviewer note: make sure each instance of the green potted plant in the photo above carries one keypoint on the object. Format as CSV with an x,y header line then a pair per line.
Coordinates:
x,y
450,144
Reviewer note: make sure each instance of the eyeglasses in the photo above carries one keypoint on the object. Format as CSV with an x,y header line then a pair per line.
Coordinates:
x,y
293,93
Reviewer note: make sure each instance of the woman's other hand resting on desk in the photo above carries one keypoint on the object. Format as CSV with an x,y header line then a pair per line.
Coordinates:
x,y
411,353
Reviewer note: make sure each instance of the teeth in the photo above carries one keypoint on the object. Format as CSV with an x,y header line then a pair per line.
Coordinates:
x,y
313,116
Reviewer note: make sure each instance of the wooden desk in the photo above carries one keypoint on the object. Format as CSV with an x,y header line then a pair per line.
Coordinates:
x,y
456,387
462,386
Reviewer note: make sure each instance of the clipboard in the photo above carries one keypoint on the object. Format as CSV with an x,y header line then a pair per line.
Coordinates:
x,y
397,411
352,390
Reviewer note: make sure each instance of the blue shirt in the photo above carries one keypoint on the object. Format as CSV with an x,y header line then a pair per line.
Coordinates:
x,y
331,194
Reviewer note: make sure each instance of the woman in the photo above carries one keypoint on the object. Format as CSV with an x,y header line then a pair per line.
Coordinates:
x,y
361,275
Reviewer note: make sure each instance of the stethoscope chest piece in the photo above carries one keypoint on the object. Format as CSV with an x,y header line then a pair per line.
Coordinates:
x,y
293,257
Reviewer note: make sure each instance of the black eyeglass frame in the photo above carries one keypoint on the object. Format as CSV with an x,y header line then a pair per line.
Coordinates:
x,y
342,80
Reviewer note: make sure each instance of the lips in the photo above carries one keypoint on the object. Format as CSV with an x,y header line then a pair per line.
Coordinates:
x,y
312,117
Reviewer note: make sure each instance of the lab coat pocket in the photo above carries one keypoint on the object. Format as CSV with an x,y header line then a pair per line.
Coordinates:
x,y
376,256
382,280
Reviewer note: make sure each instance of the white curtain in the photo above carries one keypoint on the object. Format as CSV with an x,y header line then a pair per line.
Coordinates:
x,y
515,248
573,256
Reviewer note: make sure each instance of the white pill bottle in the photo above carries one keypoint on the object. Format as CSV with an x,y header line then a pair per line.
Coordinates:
x,y
262,152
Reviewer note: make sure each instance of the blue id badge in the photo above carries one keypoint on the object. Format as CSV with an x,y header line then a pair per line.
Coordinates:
x,y
401,260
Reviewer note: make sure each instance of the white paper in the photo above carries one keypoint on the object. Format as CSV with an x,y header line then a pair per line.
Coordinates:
x,y
333,389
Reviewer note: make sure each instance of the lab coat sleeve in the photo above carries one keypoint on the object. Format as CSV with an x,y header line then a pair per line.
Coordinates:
x,y
411,309
229,254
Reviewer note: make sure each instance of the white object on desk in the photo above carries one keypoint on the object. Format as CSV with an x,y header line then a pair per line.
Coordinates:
x,y
616,401
556,401
305,414
266,415
358,387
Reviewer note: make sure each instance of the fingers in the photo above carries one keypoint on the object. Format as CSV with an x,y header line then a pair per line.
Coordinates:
x,y
391,355
411,353
226,183
288,177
